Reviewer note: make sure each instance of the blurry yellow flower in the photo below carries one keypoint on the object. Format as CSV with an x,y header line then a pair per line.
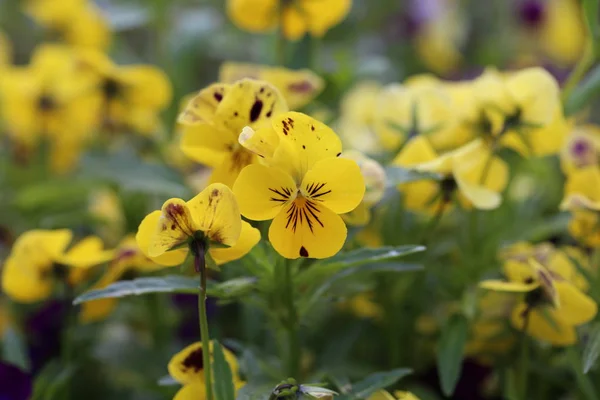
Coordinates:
x,y
187,368
133,95
54,14
551,308
375,181
50,98
89,29
581,149
298,87
585,227
303,186
398,395
127,257
213,120
363,306
357,113
417,108
212,217
472,171
516,106
440,37
39,259
582,189
105,207
294,18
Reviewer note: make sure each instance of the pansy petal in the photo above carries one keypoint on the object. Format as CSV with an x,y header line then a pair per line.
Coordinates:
x,y
262,142
307,229
253,15
537,94
203,106
174,227
575,306
187,366
145,235
504,286
249,237
337,183
206,144
261,191
215,212
543,328
582,189
193,391
416,151
145,85
87,253
23,282
311,140
231,165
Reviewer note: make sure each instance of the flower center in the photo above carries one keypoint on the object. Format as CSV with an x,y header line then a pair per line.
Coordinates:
x,y
194,360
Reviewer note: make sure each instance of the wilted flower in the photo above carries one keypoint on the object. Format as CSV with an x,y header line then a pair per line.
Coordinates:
x,y
294,19
187,368
213,120
298,87
303,185
212,217
40,259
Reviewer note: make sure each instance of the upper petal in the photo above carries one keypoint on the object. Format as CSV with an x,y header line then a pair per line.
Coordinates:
x,y
87,253
206,144
575,307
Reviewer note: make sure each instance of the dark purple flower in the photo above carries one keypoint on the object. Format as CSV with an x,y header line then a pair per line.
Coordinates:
x,y
14,383
532,12
44,331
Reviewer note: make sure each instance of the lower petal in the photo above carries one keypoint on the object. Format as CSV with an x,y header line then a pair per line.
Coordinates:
x,y
249,237
144,237
205,144
542,328
87,253
194,391
575,307
231,165
307,229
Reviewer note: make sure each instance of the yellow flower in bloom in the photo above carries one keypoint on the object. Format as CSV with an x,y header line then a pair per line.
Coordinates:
x,y
294,18
132,95
298,87
420,107
40,258
357,113
302,186
54,14
473,171
516,106
551,307
439,39
50,98
187,368
375,181
581,149
127,257
89,29
582,189
562,33
212,216
213,120
585,227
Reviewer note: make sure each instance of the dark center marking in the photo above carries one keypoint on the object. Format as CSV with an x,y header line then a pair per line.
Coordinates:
x,y
303,252
194,360
111,88
256,110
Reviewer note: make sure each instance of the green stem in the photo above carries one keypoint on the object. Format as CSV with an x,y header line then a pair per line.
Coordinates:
x,y
291,325
433,221
200,264
584,383
524,367
577,74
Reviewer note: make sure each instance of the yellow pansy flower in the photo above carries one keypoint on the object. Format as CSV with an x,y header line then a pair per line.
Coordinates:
x,y
132,95
585,226
50,98
516,106
54,14
357,114
40,258
89,29
298,87
375,181
551,308
418,107
472,171
295,19
581,149
582,189
303,185
187,368
127,257
213,120
212,216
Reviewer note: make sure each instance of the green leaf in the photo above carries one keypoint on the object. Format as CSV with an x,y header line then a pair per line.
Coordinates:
x,y
14,350
227,290
397,175
223,379
321,269
377,381
590,14
592,349
584,92
450,352
252,391
313,299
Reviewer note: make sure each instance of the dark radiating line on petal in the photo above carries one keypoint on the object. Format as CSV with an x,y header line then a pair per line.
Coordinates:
x,y
321,194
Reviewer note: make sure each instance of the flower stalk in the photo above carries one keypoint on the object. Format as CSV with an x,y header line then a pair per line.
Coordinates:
x,y
291,324
199,251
